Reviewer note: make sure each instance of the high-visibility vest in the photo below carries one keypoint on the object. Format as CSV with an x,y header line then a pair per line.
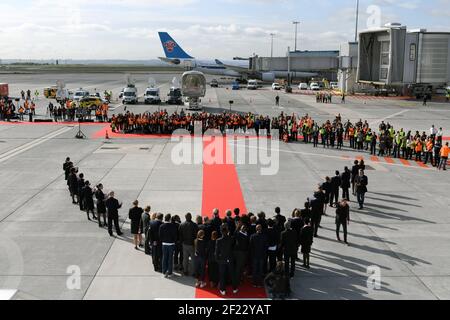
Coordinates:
x,y
419,146
445,151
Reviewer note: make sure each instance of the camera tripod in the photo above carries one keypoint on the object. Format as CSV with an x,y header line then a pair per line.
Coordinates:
x,y
80,134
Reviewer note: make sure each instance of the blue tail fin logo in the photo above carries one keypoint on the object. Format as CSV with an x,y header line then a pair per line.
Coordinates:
x,y
172,48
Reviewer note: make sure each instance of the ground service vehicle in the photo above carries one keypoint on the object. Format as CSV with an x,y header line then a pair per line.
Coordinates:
x,y
276,86
214,83
303,86
92,102
50,92
252,85
130,95
151,96
175,96
79,94
314,86
235,86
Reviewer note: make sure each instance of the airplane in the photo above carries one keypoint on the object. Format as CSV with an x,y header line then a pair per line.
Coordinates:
x,y
236,69
177,56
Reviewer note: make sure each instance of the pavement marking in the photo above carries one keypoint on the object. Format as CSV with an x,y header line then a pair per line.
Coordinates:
x,y
405,162
389,160
27,146
421,164
388,117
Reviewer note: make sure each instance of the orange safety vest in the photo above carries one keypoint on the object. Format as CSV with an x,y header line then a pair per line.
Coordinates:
x,y
445,151
419,146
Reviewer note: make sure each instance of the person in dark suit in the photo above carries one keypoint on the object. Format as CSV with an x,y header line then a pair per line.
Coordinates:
x,y
178,251
262,221
200,255
273,238
355,172
135,215
80,186
216,222
145,222
317,206
361,182
335,184
73,185
66,165
326,188
230,222
279,219
188,232
306,241
101,208
168,234
113,206
258,248
345,183
289,246
241,242
237,216
213,267
88,196
224,256
342,218
206,227
153,235
296,224
306,211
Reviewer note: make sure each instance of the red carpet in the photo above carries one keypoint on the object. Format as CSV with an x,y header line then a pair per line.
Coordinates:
x,y
222,190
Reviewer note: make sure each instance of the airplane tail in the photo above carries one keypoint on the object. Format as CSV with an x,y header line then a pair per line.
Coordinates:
x,y
171,47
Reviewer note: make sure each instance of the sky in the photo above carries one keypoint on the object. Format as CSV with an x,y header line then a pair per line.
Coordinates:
x,y
127,29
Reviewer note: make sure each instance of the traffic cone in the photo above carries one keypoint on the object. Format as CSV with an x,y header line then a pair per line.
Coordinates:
x,y
106,135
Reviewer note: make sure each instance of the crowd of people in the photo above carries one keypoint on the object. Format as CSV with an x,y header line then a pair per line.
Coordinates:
x,y
226,250
69,110
385,142
161,122
324,97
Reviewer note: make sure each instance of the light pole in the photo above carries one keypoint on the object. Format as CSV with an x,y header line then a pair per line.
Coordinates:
x,y
271,45
357,18
296,23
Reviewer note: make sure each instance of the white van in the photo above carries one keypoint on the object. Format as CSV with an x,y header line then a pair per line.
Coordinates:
x,y
130,95
252,85
80,94
303,86
152,96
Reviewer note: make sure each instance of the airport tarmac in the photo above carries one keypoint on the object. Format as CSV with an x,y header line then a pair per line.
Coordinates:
x,y
46,242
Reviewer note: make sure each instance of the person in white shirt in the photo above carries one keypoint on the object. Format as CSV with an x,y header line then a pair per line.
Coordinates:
x,y
439,135
433,132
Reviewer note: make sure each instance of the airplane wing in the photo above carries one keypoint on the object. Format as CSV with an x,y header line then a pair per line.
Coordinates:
x,y
170,61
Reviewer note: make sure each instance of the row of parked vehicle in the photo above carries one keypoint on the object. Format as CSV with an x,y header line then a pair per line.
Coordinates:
x,y
152,95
